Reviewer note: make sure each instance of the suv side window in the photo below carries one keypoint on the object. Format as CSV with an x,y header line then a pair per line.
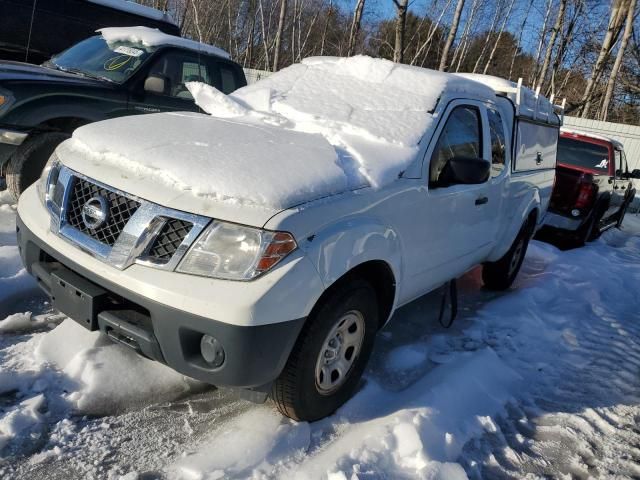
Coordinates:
x,y
228,81
178,68
498,142
460,137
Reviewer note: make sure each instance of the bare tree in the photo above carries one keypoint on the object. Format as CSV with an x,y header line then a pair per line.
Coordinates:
x,y
401,23
355,27
452,35
607,44
486,43
279,32
552,42
516,50
495,45
628,28
543,34
432,31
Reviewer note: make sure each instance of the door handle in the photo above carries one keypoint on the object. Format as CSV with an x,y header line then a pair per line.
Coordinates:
x,y
482,200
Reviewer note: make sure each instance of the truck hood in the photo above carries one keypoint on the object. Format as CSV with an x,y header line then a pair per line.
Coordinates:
x,y
25,72
221,168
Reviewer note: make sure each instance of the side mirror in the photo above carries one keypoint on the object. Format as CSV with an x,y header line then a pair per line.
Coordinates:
x,y
635,173
464,170
156,84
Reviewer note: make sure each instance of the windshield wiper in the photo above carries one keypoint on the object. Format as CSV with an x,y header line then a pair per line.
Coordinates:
x,y
82,73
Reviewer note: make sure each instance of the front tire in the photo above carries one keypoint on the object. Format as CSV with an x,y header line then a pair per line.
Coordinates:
x,y
26,164
330,355
499,275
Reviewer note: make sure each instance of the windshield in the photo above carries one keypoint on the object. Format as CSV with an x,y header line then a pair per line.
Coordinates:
x,y
583,154
96,58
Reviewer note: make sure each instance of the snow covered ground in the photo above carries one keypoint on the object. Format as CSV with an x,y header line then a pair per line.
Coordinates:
x,y
542,381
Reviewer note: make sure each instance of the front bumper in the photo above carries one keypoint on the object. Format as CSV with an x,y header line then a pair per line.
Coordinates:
x,y
254,356
164,315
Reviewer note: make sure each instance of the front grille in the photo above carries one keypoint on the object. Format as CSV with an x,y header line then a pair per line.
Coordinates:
x,y
121,209
169,239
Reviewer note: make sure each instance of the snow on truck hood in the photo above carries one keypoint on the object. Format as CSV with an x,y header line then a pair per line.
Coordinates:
x,y
312,130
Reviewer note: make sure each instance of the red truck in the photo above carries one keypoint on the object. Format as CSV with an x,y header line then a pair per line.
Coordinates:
x,y
593,187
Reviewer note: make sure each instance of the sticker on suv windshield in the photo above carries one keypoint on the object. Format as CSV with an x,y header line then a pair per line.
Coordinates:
x,y
603,164
132,52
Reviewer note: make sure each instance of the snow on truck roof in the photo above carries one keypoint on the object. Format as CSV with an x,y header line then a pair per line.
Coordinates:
x,y
374,112
152,37
315,129
136,9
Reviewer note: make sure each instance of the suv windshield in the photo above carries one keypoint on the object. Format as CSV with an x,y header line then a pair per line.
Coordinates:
x,y
583,154
96,58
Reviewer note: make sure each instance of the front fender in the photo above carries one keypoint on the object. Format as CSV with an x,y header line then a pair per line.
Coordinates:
x,y
341,246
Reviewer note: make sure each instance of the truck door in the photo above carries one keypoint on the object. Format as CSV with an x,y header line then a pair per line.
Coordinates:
x,y
175,68
454,226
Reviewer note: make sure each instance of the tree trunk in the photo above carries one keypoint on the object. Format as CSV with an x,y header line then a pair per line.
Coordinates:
x,y
355,27
452,36
495,45
562,47
543,34
607,44
628,29
432,31
552,42
326,27
279,32
486,42
401,22
522,25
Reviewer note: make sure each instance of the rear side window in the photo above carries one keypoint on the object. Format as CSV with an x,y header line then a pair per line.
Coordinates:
x,y
461,137
583,154
498,142
227,80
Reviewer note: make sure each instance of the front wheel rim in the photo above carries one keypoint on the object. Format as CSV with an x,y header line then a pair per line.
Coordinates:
x,y
339,352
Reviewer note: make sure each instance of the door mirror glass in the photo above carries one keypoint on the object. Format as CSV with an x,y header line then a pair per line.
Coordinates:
x,y
156,84
465,171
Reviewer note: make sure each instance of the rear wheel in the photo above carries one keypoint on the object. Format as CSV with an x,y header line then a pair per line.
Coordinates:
x,y
330,355
26,164
500,275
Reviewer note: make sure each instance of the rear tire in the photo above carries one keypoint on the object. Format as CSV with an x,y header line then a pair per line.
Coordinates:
x,y
330,355
499,275
26,164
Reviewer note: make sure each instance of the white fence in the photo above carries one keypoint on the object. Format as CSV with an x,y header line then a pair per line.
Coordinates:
x,y
254,75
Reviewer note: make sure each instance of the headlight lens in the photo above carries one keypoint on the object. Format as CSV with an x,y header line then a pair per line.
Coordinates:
x,y
236,252
48,183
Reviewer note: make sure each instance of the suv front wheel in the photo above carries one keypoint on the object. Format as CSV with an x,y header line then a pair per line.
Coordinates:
x,y
26,164
330,355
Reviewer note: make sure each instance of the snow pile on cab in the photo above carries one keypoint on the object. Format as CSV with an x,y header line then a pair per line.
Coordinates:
x,y
375,109
313,130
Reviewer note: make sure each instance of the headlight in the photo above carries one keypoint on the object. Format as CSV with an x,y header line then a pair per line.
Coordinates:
x,y
6,99
47,185
236,252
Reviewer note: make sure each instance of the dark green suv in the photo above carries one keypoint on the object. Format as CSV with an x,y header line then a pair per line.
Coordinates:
x,y
122,71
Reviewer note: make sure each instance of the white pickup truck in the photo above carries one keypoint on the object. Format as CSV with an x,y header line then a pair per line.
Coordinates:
x,y
263,245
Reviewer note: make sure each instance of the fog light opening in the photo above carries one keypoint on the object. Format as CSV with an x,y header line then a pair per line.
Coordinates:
x,y
212,351
575,212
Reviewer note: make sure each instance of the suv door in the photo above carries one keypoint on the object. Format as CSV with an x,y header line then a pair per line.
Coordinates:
x,y
454,225
176,67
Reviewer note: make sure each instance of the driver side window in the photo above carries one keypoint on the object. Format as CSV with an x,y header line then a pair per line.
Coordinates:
x,y
178,69
461,137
